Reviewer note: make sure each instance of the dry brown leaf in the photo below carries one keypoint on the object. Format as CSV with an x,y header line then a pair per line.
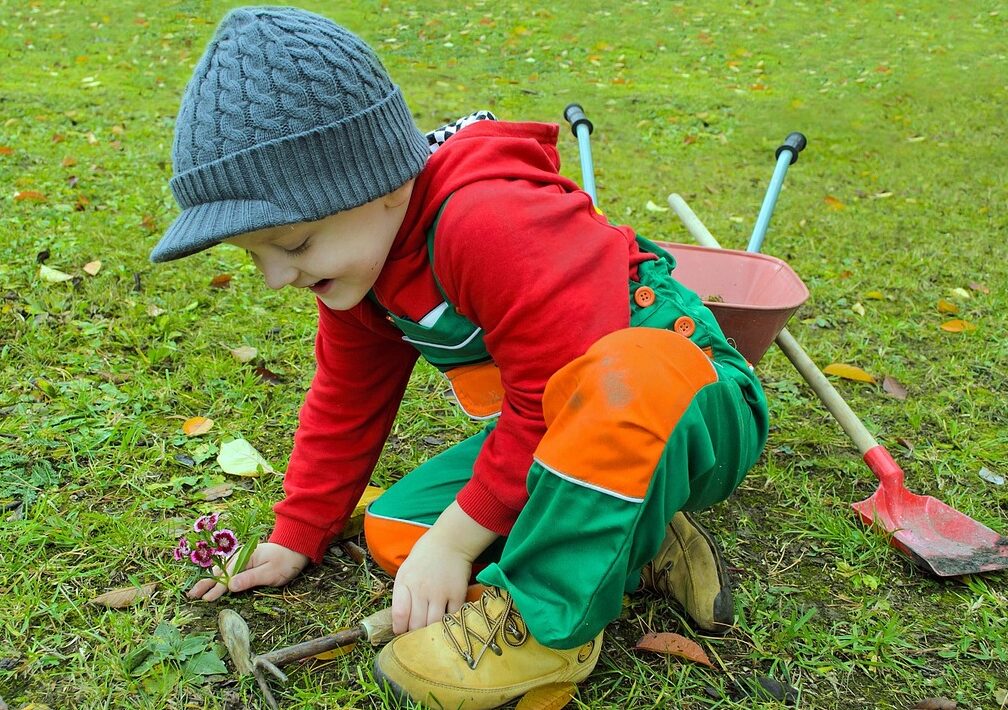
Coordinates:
x,y
894,388
957,325
905,443
29,195
124,596
935,704
976,286
551,696
69,162
221,490
268,376
947,306
92,267
220,281
6,150
848,372
833,203
149,223
673,645
195,426
244,353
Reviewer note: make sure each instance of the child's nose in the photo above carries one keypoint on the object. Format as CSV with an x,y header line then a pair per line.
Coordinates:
x,y
276,273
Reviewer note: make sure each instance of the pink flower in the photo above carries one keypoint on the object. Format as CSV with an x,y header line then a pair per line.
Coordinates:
x,y
225,541
206,522
182,550
202,556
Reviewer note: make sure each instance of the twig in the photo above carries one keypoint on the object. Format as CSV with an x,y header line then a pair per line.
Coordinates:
x,y
264,687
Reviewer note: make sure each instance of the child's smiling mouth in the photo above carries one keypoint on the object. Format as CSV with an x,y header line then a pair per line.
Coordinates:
x,y
319,287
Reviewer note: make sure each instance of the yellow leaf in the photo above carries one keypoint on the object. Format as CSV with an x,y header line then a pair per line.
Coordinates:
x,y
674,645
195,426
124,596
947,306
336,652
92,267
874,296
957,325
551,696
834,203
848,372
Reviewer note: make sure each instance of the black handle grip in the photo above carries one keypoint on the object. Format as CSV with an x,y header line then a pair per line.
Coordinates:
x,y
575,115
795,142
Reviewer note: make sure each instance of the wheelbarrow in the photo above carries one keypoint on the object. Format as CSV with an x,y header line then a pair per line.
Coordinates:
x,y
752,297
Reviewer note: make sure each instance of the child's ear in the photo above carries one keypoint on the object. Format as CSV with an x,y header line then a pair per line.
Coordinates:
x,y
400,195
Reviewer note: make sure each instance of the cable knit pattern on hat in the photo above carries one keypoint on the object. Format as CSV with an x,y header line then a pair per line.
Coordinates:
x,y
288,117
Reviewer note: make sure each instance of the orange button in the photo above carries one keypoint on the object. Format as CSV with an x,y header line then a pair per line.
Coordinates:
x,y
644,296
685,326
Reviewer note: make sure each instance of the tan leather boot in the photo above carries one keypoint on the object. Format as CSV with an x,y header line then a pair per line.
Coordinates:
x,y
689,568
482,656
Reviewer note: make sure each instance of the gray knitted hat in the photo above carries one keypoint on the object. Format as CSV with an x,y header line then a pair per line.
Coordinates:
x,y
288,118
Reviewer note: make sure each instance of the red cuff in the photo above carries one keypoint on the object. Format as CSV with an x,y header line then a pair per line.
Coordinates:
x,y
485,508
301,537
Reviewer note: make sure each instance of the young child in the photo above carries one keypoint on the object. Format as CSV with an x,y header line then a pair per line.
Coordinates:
x,y
615,402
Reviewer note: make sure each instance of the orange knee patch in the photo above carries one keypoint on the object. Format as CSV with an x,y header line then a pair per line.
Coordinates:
x,y
609,412
389,540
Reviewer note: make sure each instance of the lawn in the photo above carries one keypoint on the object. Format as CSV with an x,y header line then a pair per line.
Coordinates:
x,y
895,217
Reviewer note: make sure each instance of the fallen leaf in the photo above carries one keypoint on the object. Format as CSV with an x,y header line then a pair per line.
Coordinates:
x,y
652,207
673,645
905,443
551,696
961,292
92,267
947,306
154,311
848,372
195,426
72,181
991,477
69,162
874,296
894,388
239,458
58,138
30,195
1001,696
244,353
221,490
336,652
148,223
935,704
6,150
833,203
976,286
220,281
42,257
46,387
957,325
858,308
269,377
81,203
47,273
124,596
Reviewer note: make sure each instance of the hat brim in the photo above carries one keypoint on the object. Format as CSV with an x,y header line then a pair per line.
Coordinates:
x,y
202,226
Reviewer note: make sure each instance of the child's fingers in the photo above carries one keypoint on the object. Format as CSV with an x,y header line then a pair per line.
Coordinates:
x,y
264,575
401,606
215,593
200,588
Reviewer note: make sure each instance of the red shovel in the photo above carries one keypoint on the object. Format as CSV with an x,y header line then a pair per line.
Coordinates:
x,y
938,537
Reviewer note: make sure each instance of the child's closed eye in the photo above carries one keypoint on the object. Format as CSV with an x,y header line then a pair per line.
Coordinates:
x,y
300,248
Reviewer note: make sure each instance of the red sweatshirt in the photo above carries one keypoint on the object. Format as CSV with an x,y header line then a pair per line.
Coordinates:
x,y
521,252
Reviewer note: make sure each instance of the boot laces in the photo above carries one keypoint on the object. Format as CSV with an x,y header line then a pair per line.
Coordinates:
x,y
509,621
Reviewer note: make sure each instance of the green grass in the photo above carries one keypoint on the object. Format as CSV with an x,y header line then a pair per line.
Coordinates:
x,y
901,194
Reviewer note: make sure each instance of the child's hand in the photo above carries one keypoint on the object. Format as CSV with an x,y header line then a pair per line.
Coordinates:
x,y
435,576
270,565
431,582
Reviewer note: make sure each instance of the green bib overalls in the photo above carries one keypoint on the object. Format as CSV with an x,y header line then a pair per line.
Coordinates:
x,y
660,417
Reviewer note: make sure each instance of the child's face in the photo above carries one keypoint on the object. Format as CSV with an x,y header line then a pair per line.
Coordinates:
x,y
338,258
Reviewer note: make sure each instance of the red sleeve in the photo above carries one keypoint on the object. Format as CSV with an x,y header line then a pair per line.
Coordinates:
x,y
545,276
363,368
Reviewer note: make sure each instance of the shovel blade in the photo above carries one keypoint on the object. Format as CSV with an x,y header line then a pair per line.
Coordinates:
x,y
938,537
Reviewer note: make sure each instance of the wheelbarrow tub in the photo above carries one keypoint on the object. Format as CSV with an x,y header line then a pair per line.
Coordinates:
x,y
751,295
